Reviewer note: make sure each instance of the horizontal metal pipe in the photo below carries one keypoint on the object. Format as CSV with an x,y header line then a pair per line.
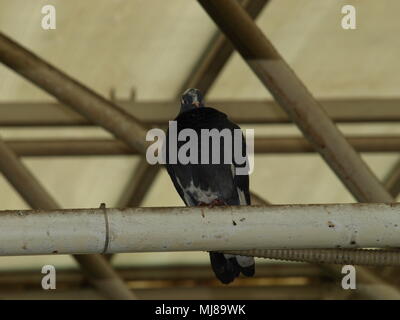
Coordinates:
x,y
364,257
241,111
99,272
82,231
93,147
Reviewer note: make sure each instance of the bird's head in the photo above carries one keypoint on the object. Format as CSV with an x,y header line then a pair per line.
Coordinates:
x,y
191,99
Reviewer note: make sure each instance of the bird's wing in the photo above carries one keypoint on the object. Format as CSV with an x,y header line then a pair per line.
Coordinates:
x,y
203,183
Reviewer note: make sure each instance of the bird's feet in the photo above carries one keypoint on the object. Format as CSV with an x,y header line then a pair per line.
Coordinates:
x,y
212,204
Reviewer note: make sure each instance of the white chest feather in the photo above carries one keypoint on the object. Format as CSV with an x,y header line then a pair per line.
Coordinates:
x,y
199,195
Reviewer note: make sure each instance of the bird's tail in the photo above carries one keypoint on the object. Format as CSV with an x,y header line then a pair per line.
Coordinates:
x,y
227,267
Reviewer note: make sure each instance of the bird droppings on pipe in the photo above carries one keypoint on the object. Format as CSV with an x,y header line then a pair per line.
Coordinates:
x,y
241,220
55,252
234,222
331,224
131,230
353,238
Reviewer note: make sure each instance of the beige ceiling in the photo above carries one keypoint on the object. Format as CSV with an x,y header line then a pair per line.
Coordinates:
x,y
152,45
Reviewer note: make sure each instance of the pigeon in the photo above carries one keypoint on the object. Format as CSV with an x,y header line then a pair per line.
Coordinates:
x,y
211,184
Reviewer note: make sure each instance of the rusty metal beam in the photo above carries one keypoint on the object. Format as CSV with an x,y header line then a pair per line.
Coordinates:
x,y
94,147
217,53
92,106
302,108
99,272
72,93
349,110
296,100
67,90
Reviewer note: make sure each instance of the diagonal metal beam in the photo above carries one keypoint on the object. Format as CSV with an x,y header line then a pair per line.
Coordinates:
x,y
392,181
292,95
217,53
67,90
99,272
392,184
139,184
